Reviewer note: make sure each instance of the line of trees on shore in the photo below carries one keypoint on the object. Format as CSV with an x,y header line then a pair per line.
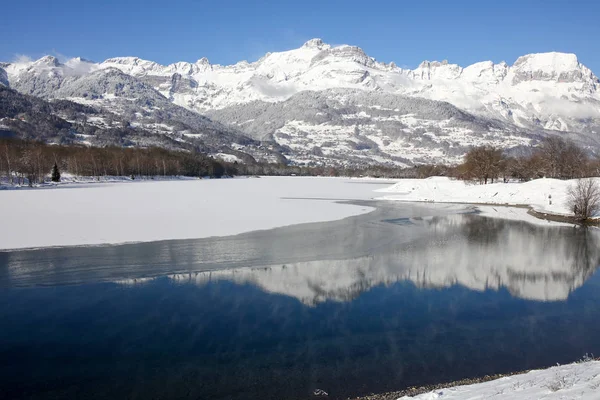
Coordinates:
x,y
554,158
31,162
25,162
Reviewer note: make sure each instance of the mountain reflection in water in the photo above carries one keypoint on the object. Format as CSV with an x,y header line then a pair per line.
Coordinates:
x,y
430,245
532,262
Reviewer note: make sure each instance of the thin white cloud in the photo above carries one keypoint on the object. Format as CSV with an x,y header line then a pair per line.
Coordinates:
x,y
21,59
62,58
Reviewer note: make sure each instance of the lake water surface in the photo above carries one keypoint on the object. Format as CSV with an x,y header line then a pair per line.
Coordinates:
x,y
403,296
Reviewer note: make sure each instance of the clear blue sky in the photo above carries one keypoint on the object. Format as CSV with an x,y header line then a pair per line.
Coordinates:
x,y
227,31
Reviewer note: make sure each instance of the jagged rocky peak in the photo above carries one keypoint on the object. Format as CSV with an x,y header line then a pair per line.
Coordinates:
x,y
47,61
316,44
344,53
485,71
123,60
437,70
201,65
351,53
553,66
553,61
133,65
182,68
392,66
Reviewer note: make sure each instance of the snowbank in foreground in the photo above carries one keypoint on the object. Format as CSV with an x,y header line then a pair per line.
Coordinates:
x,y
544,195
87,214
573,381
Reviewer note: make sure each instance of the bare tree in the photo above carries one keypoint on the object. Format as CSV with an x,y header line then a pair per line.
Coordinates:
x,y
483,163
563,159
552,149
28,166
584,198
10,176
574,162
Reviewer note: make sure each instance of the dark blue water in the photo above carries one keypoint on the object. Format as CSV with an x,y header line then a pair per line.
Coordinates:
x,y
422,296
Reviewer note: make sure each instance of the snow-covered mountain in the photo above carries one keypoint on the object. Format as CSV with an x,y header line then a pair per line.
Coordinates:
x,y
539,90
129,112
325,100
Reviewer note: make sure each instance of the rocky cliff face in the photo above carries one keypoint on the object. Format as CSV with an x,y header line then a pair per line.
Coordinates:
x,y
3,77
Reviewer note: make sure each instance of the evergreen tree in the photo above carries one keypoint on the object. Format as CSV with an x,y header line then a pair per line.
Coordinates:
x,y
55,173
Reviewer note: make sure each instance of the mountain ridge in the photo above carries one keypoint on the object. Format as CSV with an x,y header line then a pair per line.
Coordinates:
x,y
540,94
280,67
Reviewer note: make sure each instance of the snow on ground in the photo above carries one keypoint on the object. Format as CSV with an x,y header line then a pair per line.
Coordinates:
x,y
81,181
516,214
543,195
574,381
102,213
230,158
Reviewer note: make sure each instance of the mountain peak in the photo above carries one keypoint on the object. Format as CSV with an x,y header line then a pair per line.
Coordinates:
x,y
49,61
122,60
553,66
428,64
558,62
428,70
315,43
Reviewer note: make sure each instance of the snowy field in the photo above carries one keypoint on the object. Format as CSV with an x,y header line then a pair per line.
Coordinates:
x,y
102,213
543,195
574,381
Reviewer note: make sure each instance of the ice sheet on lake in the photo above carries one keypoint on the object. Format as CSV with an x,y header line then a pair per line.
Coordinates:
x,y
150,211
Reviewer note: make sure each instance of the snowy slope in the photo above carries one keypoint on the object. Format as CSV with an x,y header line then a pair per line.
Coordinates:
x,y
366,127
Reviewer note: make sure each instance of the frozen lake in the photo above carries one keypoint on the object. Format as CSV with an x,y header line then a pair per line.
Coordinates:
x,y
144,211
406,295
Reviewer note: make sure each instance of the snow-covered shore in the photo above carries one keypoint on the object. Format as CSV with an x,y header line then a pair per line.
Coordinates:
x,y
141,211
573,381
67,179
542,195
